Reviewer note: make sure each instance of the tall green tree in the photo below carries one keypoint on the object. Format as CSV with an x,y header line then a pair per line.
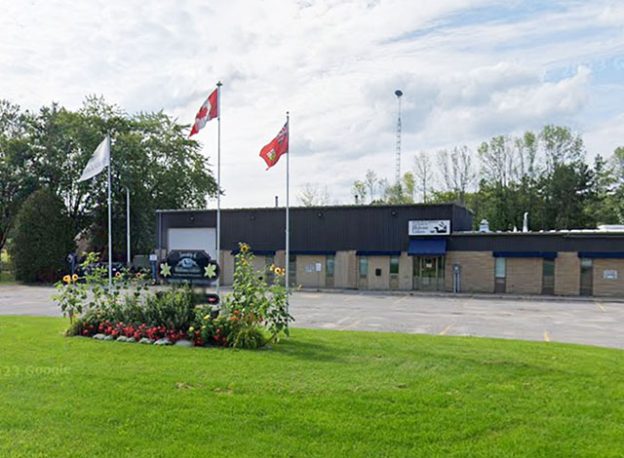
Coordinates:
x,y
42,238
17,181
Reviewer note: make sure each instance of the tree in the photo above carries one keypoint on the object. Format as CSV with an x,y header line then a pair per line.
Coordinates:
x,y
456,171
371,182
423,174
151,156
359,192
311,195
16,180
43,237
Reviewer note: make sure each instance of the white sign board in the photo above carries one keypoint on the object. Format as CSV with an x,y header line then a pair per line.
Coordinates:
x,y
610,274
319,267
429,227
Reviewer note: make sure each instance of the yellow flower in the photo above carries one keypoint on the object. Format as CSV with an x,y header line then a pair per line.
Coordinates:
x,y
279,271
272,268
191,329
244,248
67,279
118,274
75,278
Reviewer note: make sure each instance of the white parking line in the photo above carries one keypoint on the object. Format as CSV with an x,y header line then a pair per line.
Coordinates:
x,y
445,330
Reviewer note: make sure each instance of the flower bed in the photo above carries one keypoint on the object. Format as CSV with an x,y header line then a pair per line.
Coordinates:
x,y
252,315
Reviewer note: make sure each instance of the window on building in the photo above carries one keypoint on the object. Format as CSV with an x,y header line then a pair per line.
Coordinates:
x,y
500,268
548,277
394,265
500,272
363,266
329,265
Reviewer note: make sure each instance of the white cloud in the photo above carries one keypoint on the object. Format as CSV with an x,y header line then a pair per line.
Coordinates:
x,y
333,64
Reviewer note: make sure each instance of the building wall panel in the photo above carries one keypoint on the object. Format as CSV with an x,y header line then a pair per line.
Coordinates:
x,y
524,275
310,279
567,274
477,271
608,286
382,281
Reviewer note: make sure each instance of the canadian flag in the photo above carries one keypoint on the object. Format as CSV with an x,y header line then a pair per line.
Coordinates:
x,y
209,110
272,151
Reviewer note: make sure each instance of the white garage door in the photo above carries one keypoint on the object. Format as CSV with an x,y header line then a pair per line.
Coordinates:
x,y
194,238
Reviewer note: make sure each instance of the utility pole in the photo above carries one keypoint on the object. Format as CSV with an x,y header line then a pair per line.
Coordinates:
x,y
398,94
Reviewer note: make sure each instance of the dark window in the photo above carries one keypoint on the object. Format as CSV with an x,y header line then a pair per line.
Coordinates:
x,y
394,265
329,265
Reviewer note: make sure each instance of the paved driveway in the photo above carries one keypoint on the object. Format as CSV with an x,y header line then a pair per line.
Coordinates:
x,y
594,322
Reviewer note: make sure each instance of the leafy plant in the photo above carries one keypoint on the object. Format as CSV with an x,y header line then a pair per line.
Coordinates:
x,y
253,301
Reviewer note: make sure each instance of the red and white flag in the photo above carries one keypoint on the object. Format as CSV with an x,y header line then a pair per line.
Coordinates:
x,y
209,110
272,151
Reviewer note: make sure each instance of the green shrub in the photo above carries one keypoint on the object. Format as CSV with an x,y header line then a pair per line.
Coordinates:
x,y
249,337
255,302
42,238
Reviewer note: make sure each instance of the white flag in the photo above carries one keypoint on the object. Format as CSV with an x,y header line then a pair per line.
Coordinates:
x,y
99,161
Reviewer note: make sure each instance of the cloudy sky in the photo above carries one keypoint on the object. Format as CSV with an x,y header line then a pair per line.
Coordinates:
x,y
469,69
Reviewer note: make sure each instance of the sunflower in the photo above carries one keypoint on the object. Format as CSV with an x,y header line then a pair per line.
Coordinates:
x,y
118,274
67,279
244,248
75,278
279,271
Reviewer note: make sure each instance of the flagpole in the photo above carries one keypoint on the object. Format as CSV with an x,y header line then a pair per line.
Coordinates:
x,y
287,263
128,251
110,224
219,84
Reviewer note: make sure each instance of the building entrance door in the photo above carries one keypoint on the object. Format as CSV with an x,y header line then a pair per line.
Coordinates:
x,y
587,277
428,273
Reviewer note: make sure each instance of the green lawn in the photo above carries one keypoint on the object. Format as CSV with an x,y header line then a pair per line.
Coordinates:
x,y
322,393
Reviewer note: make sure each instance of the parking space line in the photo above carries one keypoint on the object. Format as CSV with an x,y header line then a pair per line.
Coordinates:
x,y
400,299
445,330
600,306
546,336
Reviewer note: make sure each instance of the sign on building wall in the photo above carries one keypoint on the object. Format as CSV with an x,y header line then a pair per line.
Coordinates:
x,y
429,227
610,274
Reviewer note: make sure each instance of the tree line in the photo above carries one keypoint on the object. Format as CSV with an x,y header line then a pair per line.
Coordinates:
x,y
152,157
543,173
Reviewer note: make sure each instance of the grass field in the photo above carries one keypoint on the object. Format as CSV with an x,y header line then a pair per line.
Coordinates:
x,y
322,393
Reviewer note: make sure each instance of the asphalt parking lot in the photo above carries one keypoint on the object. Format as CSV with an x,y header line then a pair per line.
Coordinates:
x,y
592,322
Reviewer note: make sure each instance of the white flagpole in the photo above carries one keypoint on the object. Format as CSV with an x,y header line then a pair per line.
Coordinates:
x,y
128,253
287,263
219,84
110,223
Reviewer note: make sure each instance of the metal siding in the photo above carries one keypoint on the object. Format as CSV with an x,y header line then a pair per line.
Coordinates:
x,y
382,228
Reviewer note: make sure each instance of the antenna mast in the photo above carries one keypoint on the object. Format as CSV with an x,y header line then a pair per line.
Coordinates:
x,y
398,94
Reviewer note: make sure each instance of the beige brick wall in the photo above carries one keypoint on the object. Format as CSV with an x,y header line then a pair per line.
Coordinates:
x,y
379,262
567,273
310,279
477,271
524,275
605,287
345,269
227,266
406,267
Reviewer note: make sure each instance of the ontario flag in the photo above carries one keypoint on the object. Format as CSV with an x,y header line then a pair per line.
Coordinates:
x,y
272,151
209,110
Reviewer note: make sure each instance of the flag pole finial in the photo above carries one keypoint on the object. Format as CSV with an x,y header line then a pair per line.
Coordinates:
x,y
219,84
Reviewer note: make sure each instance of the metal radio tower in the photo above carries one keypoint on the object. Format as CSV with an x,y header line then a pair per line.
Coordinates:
x,y
398,94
